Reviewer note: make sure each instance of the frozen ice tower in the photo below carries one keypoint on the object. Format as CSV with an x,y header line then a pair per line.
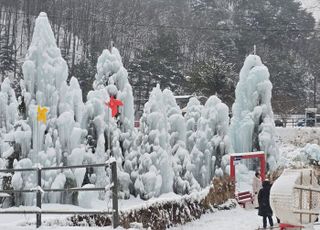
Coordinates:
x,y
252,127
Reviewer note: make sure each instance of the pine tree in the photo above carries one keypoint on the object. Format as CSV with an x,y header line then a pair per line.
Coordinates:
x,y
213,77
158,64
7,52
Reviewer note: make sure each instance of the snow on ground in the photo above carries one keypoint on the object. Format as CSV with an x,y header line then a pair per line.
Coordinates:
x,y
27,221
8,227
298,136
235,219
238,218
241,219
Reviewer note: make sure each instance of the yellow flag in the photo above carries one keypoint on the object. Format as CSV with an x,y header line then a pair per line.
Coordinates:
x,y
42,114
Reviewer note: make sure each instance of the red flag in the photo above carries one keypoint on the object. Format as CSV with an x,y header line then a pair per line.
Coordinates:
x,y
113,104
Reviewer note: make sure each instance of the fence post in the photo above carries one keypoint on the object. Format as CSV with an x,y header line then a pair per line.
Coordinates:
x,y
39,197
115,209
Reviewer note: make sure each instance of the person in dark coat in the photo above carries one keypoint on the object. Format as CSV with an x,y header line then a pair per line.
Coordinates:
x,y
264,204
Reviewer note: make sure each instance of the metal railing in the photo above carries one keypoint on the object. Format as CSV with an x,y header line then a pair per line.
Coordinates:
x,y
39,190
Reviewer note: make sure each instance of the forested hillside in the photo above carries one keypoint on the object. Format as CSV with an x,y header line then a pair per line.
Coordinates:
x,y
190,46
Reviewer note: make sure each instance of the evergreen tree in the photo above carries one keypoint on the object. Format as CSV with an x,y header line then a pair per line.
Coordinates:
x,y
84,71
158,64
213,77
7,61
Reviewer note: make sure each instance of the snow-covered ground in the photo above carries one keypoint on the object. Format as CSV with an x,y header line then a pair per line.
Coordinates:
x,y
27,221
241,220
235,219
238,218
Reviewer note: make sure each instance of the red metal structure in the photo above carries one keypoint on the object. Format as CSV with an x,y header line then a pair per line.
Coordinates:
x,y
239,156
287,226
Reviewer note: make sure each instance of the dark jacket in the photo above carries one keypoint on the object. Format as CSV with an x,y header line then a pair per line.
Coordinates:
x,y
263,199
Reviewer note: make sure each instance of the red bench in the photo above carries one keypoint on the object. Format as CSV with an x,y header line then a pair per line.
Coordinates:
x,y
244,197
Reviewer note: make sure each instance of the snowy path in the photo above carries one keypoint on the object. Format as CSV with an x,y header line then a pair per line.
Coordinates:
x,y
235,219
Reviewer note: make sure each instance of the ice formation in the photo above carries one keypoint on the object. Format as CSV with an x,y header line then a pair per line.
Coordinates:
x,y
184,181
8,106
252,126
212,141
155,164
168,153
192,116
10,131
116,133
44,69
87,198
53,142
